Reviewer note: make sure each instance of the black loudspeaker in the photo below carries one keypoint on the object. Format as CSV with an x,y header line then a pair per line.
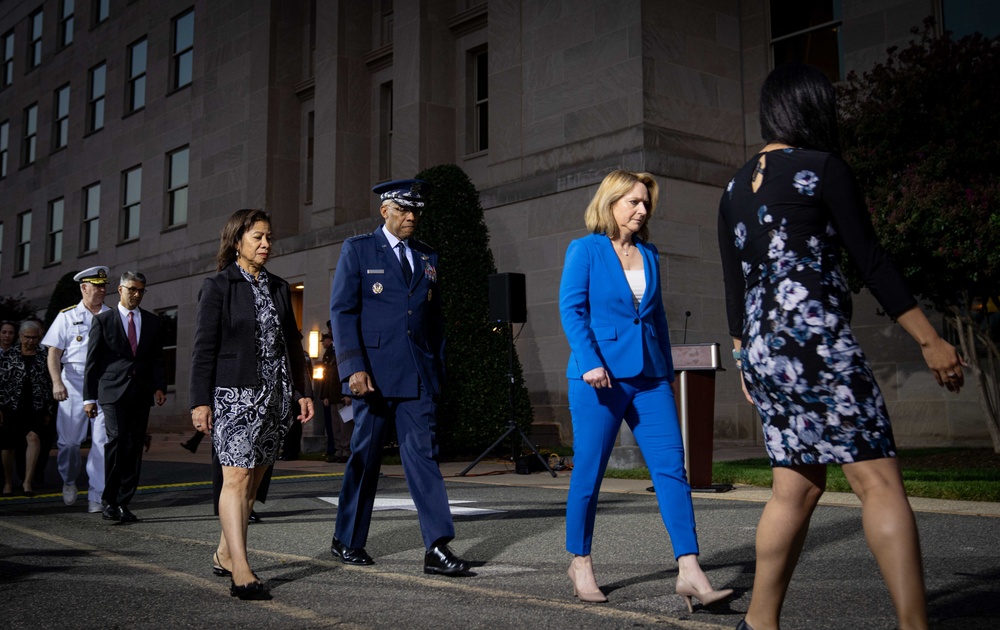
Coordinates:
x,y
507,298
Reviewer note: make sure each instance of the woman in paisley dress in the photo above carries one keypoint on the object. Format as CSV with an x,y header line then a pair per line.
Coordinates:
x,y
783,222
246,368
26,404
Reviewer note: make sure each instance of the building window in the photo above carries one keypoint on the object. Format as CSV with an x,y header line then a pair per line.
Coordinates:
x,y
479,112
386,22
136,76
131,196
310,154
35,41
385,131
91,218
95,98
177,191
60,123
965,17
168,326
7,71
23,242
66,24
30,135
100,10
807,33
183,53
4,144
54,239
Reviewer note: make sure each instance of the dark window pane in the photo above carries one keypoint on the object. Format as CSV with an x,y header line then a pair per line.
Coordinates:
x,y
965,17
184,68
133,186
482,77
179,206
184,35
819,48
138,59
98,121
97,81
791,16
139,93
484,127
179,168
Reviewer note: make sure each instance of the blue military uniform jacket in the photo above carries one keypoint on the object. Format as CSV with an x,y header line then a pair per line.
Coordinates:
x,y
381,326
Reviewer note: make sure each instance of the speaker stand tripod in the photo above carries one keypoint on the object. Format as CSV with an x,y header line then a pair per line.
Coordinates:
x,y
511,424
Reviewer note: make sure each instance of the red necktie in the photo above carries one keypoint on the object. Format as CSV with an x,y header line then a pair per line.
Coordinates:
x,y
133,339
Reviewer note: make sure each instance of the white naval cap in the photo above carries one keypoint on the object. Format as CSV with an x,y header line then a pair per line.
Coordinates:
x,y
93,275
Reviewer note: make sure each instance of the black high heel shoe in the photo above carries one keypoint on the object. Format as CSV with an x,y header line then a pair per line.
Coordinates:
x,y
253,590
743,625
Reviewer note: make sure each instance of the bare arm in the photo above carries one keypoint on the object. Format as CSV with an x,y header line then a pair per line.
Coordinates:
x,y
941,357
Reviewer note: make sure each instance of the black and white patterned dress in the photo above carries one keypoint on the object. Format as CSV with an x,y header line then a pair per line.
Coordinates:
x,y
250,422
790,304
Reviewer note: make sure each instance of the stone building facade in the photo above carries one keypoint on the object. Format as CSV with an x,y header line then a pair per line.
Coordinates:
x,y
301,106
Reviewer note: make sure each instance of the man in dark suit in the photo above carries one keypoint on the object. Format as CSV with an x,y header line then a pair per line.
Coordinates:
x,y
125,375
388,333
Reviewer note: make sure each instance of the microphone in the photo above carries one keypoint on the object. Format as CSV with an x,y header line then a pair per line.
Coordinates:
x,y
687,314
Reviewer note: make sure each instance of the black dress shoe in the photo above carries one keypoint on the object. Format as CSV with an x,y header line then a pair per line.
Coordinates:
x,y
347,555
254,517
125,516
112,513
440,560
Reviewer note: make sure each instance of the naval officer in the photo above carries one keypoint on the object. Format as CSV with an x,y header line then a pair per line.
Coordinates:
x,y
67,340
388,332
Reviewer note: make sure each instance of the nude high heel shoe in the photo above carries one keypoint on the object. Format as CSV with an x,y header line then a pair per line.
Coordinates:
x,y
579,570
706,598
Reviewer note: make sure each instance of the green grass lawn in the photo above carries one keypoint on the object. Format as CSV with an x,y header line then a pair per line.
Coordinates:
x,y
938,473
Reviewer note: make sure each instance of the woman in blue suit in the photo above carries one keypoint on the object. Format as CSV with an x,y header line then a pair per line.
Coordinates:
x,y
620,367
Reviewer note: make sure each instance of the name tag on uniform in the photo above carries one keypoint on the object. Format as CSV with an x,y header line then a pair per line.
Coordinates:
x,y
376,271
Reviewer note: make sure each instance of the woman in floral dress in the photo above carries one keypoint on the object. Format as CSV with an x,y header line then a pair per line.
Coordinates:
x,y
246,367
783,222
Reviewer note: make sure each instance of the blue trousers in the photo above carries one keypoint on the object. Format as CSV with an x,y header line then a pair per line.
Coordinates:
x,y
415,420
647,405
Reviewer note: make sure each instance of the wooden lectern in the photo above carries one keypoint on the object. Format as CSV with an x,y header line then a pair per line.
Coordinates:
x,y
695,365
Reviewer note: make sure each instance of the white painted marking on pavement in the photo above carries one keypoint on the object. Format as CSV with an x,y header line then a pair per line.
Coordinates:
x,y
386,504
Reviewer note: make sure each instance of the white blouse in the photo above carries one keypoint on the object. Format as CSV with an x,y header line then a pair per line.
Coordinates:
x,y
637,282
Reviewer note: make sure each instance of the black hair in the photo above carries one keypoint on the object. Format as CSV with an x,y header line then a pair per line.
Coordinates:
x,y
798,107
239,223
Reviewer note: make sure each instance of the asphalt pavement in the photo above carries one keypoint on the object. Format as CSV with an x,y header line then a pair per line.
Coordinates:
x,y
61,567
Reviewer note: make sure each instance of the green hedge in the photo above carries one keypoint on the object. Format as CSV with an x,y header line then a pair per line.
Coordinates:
x,y
474,409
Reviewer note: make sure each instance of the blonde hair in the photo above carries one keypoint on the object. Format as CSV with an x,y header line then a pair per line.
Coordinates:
x,y
599,217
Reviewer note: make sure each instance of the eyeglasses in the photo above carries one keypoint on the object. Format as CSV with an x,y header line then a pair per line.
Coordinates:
x,y
134,290
30,337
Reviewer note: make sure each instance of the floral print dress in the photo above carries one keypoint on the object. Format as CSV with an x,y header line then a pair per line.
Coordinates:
x,y
251,422
788,301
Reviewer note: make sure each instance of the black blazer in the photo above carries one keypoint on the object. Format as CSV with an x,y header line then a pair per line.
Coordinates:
x,y
111,367
224,352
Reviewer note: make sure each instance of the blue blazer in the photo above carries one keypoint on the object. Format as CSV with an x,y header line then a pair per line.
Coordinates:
x,y
381,326
602,326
